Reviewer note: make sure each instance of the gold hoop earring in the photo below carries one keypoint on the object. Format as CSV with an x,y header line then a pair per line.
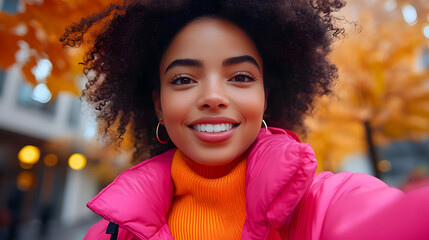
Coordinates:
x,y
157,135
265,124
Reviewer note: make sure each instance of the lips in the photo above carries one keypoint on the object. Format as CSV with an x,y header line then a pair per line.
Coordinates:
x,y
214,129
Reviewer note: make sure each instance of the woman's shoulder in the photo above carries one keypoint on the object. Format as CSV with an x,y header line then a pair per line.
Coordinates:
x,y
345,182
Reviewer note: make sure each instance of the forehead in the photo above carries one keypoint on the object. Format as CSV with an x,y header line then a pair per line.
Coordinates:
x,y
210,40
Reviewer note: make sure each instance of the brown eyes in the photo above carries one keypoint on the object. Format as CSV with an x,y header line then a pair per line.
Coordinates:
x,y
239,77
182,81
242,78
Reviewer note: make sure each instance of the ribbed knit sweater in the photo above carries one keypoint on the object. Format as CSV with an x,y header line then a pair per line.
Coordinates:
x,y
209,201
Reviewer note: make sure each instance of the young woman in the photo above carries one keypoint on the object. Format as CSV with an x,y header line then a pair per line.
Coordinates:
x,y
209,74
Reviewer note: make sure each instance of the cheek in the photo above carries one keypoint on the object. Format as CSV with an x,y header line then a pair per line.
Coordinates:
x,y
252,105
172,111
175,108
173,105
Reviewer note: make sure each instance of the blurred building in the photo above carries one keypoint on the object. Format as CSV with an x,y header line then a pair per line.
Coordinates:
x,y
43,191
45,197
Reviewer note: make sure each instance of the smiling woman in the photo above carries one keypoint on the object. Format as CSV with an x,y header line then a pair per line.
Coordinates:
x,y
210,72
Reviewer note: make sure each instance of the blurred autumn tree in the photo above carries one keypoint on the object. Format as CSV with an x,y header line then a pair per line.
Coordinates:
x,y
36,31
382,93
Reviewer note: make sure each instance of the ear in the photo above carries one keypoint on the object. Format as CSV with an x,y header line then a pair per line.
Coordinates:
x,y
157,105
267,91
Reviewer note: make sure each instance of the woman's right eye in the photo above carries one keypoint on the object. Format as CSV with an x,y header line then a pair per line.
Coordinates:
x,y
182,81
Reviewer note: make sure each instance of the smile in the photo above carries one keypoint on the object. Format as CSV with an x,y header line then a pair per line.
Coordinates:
x,y
213,128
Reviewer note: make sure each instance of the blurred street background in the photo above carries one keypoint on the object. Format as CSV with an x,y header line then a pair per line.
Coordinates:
x,y
376,121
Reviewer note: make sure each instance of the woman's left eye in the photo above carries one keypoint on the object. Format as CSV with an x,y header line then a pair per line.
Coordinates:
x,y
242,77
182,80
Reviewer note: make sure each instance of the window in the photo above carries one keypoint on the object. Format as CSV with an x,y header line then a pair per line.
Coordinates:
x,y
25,100
74,113
10,6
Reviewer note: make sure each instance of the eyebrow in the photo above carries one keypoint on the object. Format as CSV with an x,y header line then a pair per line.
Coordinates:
x,y
240,59
185,62
198,63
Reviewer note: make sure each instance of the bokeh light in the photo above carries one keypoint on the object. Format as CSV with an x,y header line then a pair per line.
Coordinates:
x,y
41,93
29,154
390,5
384,166
50,160
24,180
77,161
42,70
426,31
409,14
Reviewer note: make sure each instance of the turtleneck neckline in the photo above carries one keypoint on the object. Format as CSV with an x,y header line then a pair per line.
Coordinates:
x,y
209,202
211,172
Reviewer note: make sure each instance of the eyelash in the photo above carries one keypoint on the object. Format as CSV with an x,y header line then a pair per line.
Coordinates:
x,y
179,77
246,74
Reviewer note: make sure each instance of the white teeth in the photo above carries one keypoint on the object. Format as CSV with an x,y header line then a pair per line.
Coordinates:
x,y
209,128
216,128
212,127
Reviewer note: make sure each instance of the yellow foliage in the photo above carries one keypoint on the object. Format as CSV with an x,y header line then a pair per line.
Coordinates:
x,y
379,82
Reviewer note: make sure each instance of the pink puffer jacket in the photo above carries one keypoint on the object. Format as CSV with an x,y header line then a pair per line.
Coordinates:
x,y
284,199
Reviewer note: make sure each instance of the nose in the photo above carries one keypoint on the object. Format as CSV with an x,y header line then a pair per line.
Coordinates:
x,y
213,96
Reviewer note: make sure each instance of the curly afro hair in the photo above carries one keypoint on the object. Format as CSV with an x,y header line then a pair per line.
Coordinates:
x,y
293,38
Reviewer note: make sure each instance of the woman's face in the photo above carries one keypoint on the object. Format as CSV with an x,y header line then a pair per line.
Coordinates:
x,y
212,95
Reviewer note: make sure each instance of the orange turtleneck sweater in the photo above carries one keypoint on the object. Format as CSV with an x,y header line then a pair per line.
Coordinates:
x,y
209,201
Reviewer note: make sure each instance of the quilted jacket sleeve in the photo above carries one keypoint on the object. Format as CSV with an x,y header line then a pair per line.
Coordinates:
x,y
358,206
98,232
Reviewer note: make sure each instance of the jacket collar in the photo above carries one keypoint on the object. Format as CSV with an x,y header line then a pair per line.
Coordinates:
x,y
139,198
279,169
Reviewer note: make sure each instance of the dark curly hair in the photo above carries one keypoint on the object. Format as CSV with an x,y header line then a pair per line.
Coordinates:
x,y
293,38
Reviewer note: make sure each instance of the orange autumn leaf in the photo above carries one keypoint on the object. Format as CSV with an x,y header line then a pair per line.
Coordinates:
x,y
41,25
10,46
